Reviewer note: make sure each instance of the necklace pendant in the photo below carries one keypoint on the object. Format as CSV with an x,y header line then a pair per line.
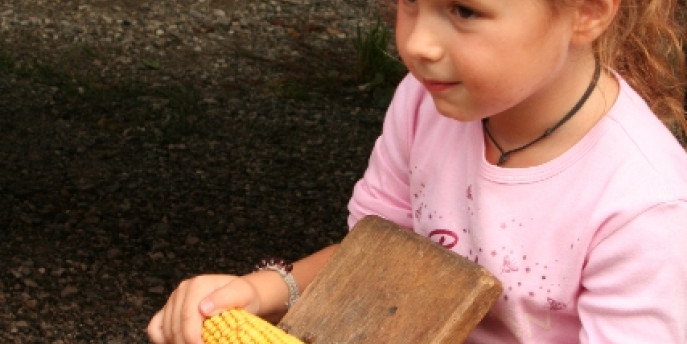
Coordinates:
x,y
502,159
506,154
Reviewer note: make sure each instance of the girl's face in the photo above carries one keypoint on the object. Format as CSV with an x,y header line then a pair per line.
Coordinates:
x,y
478,58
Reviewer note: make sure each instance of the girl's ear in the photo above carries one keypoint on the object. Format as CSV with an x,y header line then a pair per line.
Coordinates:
x,y
593,18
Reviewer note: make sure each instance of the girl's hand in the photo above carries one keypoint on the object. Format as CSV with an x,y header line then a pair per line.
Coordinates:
x,y
181,319
262,292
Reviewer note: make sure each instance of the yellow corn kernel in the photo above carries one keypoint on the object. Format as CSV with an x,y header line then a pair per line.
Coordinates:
x,y
236,326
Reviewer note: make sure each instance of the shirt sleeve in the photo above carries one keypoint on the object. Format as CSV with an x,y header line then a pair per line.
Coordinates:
x,y
634,283
384,188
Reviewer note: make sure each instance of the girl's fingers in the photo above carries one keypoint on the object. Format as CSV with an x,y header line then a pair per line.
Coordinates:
x,y
172,323
167,319
181,319
155,329
188,321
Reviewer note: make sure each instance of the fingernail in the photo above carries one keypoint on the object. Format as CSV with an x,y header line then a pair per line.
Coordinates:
x,y
206,307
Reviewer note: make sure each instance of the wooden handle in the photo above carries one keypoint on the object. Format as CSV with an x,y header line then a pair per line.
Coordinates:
x,y
386,284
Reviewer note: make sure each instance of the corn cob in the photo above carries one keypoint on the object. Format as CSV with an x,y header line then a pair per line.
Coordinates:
x,y
236,326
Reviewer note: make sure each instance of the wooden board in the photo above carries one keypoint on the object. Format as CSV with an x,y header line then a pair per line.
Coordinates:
x,y
386,284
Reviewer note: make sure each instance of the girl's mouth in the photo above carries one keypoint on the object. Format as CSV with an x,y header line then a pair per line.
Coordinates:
x,y
438,86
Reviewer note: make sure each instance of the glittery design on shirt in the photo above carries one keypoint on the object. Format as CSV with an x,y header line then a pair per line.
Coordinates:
x,y
508,266
555,305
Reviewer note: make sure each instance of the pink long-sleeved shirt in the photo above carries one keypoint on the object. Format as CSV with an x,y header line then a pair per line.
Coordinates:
x,y
591,247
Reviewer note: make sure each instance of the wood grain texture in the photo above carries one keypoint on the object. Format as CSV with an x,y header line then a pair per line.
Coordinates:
x,y
386,284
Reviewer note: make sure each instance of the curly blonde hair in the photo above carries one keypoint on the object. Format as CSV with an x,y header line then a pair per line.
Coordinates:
x,y
644,44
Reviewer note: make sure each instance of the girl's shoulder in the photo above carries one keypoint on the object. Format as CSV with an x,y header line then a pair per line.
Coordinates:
x,y
632,120
632,141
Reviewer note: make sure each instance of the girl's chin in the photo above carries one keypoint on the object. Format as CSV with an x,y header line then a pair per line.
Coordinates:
x,y
455,111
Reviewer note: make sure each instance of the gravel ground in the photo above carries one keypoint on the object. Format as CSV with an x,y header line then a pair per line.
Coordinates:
x,y
145,142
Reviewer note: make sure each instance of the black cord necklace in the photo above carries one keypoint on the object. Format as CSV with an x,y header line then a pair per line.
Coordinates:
x,y
506,154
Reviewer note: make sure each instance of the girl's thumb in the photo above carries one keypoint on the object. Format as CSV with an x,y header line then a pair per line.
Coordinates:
x,y
207,307
236,293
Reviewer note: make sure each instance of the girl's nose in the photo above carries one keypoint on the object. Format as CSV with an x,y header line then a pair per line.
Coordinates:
x,y
423,42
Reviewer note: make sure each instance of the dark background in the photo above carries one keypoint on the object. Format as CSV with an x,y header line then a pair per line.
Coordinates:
x,y
132,158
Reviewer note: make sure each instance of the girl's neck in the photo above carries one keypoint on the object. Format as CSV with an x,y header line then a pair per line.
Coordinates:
x,y
524,123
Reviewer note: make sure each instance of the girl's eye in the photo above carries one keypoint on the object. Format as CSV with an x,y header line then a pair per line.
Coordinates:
x,y
464,12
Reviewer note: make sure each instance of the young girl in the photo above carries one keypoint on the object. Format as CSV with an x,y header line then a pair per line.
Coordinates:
x,y
521,140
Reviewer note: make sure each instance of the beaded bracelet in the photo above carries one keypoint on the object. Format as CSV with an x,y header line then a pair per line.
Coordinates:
x,y
284,268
